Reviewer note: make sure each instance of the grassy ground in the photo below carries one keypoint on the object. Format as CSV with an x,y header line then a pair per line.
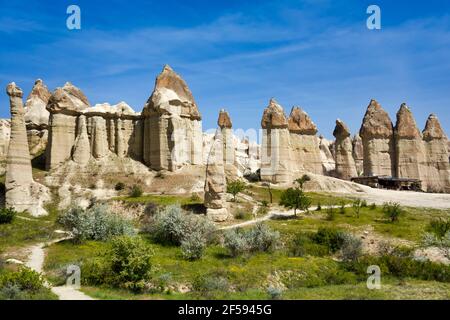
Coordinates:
x,y
249,277
162,199
410,226
261,193
25,230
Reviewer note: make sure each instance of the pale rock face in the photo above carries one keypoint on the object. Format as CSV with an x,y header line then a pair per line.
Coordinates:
x,y
275,147
22,193
99,140
82,149
345,164
172,125
358,153
377,134
5,135
36,113
328,162
438,169
273,116
224,123
215,183
300,122
305,145
37,117
64,105
409,146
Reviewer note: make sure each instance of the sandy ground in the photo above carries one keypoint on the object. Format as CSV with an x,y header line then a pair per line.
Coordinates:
x,y
407,198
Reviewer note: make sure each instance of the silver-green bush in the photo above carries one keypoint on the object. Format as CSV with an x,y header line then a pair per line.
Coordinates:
x,y
95,223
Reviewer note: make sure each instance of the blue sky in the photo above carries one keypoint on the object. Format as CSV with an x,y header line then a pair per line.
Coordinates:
x,y
317,54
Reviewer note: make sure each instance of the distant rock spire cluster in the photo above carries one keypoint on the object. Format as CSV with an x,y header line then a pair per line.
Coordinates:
x,y
62,127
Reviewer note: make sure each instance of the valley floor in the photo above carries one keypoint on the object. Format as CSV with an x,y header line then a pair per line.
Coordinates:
x,y
218,276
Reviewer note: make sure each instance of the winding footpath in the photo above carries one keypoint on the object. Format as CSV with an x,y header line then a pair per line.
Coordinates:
x,y
274,215
35,262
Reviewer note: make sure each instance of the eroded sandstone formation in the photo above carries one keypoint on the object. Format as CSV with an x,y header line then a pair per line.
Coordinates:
x,y
305,145
275,147
345,164
225,125
111,130
358,153
409,146
82,148
22,193
172,124
5,133
64,105
328,162
437,157
36,118
377,134
215,183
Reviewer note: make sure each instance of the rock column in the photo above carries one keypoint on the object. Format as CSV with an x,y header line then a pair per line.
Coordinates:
x,y
22,193
275,147
377,134
345,164
215,184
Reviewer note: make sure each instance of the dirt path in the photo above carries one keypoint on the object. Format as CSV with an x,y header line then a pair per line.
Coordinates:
x,y
36,262
274,214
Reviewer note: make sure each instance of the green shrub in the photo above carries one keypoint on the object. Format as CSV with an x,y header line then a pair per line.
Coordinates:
x,y
373,206
171,226
7,215
351,248
234,187
193,246
119,186
330,237
195,198
209,284
392,211
302,245
439,227
95,223
260,238
24,284
274,292
357,205
401,266
236,242
342,208
363,203
136,191
331,215
126,264
242,215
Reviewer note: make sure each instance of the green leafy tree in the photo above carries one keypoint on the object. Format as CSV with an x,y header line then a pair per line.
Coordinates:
x,y
234,187
301,181
295,198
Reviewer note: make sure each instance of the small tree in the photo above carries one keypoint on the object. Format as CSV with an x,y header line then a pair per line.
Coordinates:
x,y
301,181
392,210
357,205
295,198
234,187
269,190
